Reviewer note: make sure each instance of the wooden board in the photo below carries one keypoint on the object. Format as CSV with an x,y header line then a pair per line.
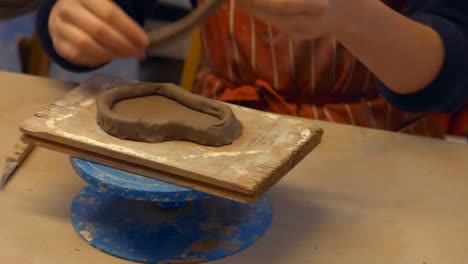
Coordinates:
x,y
270,146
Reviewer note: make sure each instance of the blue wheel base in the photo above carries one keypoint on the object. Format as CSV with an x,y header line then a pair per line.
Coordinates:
x,y
126,222
133,186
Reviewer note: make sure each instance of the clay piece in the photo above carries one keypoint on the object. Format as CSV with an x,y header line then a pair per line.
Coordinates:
x,y
171,31
157,112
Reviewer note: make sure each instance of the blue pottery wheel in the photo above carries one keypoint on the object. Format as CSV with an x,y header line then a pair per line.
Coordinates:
x,y
146,220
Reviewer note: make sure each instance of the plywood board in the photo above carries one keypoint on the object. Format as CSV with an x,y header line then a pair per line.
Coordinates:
x,y
270,146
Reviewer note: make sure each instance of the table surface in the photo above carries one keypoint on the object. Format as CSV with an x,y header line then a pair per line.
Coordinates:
x,y
362,196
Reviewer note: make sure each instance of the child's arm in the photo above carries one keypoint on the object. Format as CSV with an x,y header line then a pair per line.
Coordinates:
x,y
81,48
422,62
421,59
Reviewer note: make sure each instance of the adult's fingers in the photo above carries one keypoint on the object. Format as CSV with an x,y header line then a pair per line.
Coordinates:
x,y
101,32
285,7
299,25
115,17
76,46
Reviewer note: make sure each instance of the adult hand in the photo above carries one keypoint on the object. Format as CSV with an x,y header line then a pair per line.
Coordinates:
x,y
91,33
304,18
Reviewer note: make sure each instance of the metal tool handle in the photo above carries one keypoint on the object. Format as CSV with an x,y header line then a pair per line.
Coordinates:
x,y
14,159
19,152
182,26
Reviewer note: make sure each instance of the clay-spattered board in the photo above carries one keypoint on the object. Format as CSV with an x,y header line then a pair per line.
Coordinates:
x,y
270,146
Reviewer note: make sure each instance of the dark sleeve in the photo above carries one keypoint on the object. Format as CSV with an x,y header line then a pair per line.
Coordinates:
x,y
136,9
449,90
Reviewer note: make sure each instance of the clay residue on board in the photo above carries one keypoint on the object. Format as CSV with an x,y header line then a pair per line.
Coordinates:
x,y
86,235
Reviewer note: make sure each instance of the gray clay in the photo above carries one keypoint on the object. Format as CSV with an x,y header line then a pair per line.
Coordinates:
x,y
157,112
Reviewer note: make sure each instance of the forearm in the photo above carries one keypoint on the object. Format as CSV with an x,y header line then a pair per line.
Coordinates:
x,y
404,55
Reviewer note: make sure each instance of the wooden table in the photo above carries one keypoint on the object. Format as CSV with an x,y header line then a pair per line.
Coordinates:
x,y
363,196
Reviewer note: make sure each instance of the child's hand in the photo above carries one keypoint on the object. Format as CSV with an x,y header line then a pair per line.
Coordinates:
x,y
93,32
304,18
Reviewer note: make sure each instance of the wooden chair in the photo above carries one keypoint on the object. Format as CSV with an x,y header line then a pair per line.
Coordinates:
x,y
192,62
33,58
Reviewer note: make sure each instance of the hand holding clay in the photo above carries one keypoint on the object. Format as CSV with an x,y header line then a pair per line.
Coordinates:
x,y
91,33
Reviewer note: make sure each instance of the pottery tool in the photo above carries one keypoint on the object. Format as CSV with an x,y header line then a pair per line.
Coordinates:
x,y
14,159
270,146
